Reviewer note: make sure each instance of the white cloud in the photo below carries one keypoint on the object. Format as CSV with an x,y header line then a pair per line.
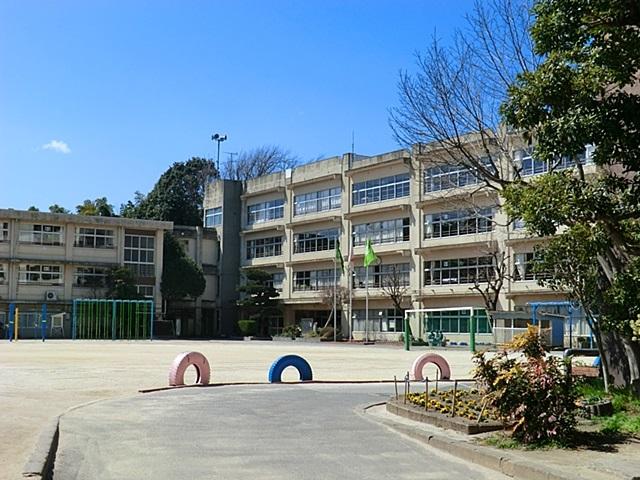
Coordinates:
x,y
57,146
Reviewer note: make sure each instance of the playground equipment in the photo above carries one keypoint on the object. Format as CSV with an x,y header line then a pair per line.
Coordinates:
x,y
424,359
184,361
101,319
34,322
456,323
299,363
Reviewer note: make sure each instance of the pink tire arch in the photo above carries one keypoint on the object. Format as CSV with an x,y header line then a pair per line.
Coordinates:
x,y
438,360
184,361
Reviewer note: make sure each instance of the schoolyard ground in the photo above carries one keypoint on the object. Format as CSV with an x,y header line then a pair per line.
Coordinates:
x,y
40,380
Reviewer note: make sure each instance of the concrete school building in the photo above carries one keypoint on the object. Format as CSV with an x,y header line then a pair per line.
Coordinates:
x,y
55,258
434,228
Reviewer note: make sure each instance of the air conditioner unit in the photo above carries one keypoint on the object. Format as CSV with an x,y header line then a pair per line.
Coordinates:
x,y
50,296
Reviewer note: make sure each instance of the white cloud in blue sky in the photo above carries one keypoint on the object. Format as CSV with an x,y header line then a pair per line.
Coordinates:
x,y
57,146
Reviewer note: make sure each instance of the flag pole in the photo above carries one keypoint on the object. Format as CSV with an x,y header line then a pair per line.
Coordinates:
x,y
350,303
366,304
335,288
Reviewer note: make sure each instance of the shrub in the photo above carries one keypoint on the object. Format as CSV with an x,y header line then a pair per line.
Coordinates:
x,y
531,391
292,331
247,327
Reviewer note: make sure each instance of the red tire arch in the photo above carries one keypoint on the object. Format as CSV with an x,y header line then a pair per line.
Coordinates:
x,y
184,361
438,360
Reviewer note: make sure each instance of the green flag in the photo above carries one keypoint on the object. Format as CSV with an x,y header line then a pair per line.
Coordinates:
x,y
339,258
369,254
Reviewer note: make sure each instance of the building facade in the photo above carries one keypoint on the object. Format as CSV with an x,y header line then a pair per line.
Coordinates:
x,y
197,318
54,258
435,229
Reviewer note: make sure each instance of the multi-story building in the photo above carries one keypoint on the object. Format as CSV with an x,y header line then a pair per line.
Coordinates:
x,y
54,258
197,317
434,228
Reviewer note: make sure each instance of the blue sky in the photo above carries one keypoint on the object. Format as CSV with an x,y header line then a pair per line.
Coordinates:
x,y
98,98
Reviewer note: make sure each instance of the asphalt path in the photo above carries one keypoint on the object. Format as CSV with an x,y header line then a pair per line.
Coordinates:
x,y
309,431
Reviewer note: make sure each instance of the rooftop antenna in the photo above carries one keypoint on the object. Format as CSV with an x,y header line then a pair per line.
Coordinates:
x,y
353,144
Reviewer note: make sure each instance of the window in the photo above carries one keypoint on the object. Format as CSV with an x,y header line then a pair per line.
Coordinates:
x,y
380,189
314,279
91,277
4,231
458,222
519,224
385,320
315,241
456,321
381,275
531,166
276,281
386,231
458,270
264,247
41,234
145,290
3,273
524,267
266,211
445,177
40,274
139,254
213,217
94,238
317,201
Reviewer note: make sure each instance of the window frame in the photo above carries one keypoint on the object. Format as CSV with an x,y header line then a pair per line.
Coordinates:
x,y
381,189
265,244
213,217
318,201
265,211
394,230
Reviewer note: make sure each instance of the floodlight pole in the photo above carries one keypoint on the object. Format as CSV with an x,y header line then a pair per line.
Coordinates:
x,y
218,137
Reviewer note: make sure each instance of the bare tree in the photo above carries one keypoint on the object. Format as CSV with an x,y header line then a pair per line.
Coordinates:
x,y
452,101
257,162
396,285
327,298
490,282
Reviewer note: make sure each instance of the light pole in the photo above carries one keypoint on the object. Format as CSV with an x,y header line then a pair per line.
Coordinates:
x,y
218,137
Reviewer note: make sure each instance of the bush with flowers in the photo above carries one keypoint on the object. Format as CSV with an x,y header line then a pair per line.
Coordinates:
x,y
529,389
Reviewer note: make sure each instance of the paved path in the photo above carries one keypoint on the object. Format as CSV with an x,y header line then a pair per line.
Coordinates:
x,y
259,432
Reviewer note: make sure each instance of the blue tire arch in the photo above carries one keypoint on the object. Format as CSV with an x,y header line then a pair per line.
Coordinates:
x,y
299,363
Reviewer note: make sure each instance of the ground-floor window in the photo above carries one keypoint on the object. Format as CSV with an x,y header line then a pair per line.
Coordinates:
x,y
380,320
456,321
145,290
276,324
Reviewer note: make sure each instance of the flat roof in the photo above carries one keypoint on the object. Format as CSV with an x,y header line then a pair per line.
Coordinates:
x,y
10,213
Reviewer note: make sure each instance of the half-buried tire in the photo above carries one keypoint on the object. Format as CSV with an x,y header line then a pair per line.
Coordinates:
x,y
295,361
424,359
184,361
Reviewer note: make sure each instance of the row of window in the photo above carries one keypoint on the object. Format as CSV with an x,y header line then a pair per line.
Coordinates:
x,y
458,222
265,211
85,237
533,166
317,201
445,224
391,276
380,189
456,321
315,279
385,320
264,247
44,274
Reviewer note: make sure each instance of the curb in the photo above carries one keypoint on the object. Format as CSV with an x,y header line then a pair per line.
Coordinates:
x,y
41,460
487,457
